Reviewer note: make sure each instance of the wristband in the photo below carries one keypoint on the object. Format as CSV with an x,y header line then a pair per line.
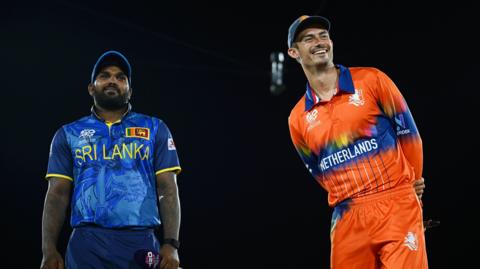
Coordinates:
x,y
173,242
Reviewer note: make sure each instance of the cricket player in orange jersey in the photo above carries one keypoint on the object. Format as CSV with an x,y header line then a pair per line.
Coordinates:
x,y
357,137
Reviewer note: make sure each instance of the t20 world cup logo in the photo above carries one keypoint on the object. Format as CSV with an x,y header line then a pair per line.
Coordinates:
x,y
86,134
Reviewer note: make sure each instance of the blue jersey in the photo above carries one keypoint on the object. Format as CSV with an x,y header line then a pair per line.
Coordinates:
x,y
113,167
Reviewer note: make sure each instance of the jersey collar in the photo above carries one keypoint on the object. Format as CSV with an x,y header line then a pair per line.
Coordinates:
x,y
345,83
95,115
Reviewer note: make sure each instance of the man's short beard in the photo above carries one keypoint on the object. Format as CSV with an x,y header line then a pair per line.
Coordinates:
x,y
110,102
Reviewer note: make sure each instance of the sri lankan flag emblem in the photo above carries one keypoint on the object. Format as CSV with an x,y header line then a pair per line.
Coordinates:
x,y
139,132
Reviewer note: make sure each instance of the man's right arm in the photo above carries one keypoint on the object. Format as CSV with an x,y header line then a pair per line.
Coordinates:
x,y
57,200
309,158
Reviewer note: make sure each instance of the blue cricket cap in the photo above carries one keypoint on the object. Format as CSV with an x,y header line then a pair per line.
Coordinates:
x,y
302,22
110,58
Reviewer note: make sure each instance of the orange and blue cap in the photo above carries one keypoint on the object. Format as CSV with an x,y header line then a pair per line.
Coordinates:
x,y
302,22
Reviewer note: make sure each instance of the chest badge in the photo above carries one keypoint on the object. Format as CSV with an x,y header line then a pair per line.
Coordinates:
x,y
356,99
86,135
138,132
312,116
312,119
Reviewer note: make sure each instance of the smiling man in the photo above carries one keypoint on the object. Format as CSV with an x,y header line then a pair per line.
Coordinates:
x,y
356,136
120,166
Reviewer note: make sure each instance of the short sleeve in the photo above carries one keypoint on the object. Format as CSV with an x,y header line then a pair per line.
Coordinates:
x,y
60,162
166,158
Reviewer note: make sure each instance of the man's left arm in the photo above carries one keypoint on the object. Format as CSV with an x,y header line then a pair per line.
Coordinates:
x,y
169,201
396,108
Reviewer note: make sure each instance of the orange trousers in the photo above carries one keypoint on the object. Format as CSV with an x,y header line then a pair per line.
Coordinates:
x,y
383,230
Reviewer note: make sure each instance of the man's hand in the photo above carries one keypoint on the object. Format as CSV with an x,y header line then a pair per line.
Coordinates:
x,y
169,257
52,261
419,186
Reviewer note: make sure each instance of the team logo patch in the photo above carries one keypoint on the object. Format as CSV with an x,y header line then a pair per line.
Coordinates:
x,y
138,132
171,145
411,241
357,99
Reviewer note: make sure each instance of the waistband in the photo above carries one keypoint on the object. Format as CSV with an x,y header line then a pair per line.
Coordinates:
x,y
118,231
383,195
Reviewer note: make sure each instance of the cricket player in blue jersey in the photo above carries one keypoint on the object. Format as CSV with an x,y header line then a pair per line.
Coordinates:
x,y
117,170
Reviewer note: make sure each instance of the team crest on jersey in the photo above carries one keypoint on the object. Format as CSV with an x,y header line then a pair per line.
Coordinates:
x,y
357,99
411,241
139,132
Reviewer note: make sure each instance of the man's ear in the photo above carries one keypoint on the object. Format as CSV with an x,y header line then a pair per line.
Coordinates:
x,y
90,89
293,52
130,91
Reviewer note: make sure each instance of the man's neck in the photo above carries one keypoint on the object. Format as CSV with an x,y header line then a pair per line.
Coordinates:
x,y
110,115
323,81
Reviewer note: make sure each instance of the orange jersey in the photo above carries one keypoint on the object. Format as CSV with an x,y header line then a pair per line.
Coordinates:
x,y
363,141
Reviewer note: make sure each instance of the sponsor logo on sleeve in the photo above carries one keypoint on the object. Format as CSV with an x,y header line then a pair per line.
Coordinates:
x,y
401,126
171,144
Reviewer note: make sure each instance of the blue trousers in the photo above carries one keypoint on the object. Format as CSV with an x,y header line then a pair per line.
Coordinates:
x,y
92,247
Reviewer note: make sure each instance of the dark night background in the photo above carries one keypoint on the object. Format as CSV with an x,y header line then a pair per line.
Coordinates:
x,y
204,68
